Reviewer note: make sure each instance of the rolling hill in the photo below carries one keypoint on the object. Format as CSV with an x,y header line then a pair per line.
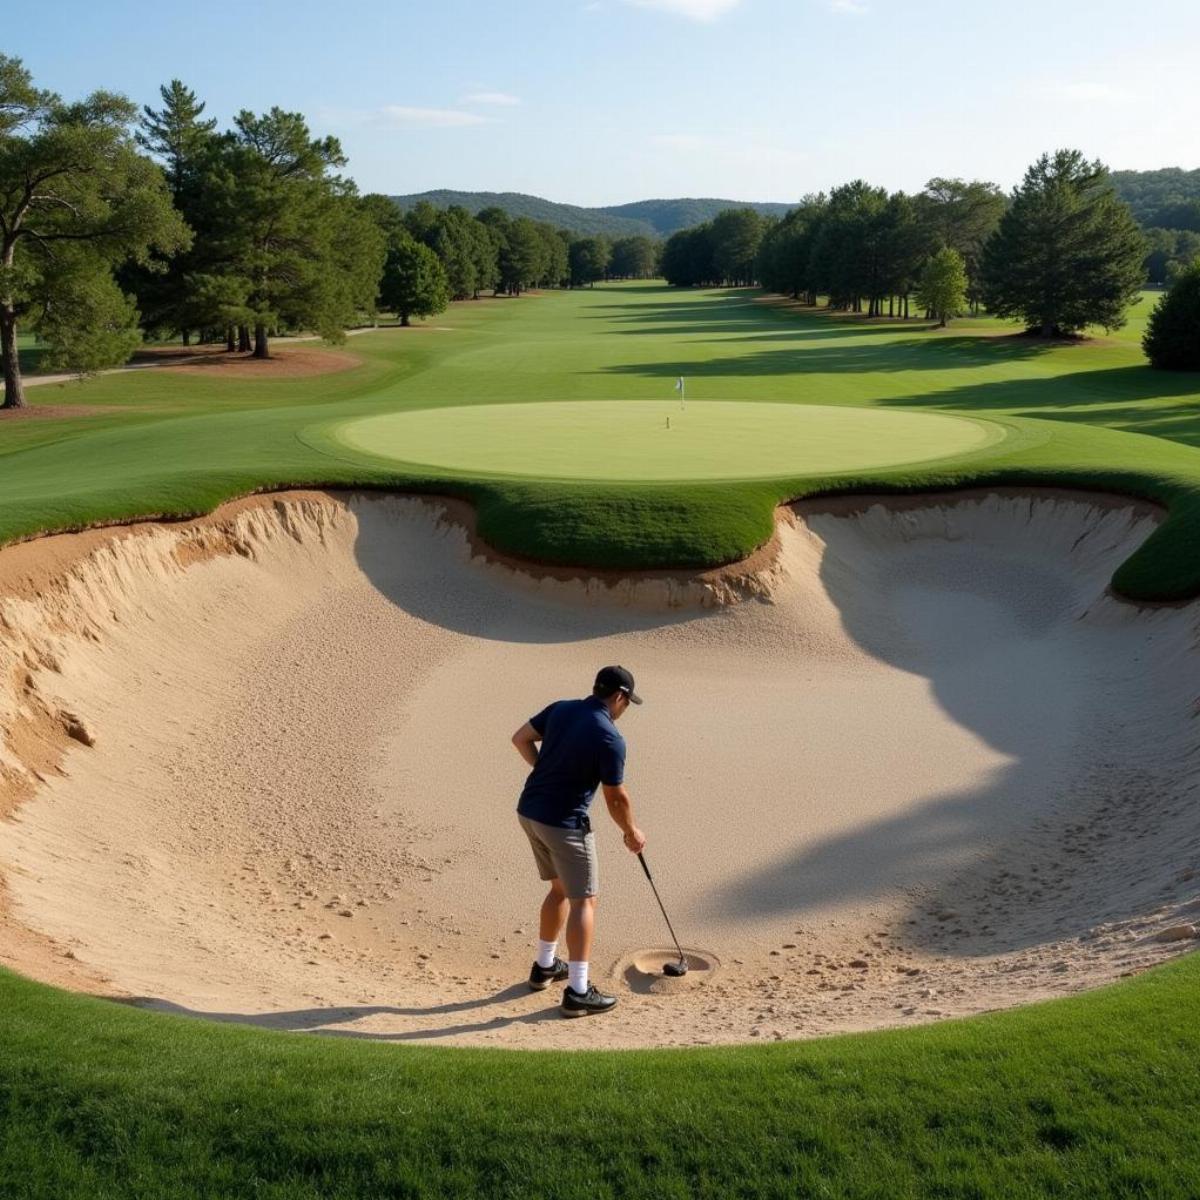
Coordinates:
x,y
654,218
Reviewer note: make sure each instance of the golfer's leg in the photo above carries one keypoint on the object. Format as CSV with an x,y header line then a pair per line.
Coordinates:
x,y
579,929
554,912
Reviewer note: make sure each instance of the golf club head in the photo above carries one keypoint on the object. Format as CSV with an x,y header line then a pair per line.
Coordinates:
x,y
675,969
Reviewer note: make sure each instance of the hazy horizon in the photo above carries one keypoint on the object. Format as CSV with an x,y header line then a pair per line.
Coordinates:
x,y
605,102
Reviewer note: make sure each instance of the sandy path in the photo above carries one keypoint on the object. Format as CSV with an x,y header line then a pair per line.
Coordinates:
x,y
940,772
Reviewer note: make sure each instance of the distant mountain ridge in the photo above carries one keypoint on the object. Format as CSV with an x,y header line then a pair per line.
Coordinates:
x,y
652,218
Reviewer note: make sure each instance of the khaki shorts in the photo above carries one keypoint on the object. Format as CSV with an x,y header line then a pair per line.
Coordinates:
x,y
566,854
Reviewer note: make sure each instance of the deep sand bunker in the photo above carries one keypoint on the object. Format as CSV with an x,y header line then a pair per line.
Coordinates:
x,y
912,761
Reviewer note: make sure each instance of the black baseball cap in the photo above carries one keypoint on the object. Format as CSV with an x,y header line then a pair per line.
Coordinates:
x,y
615,679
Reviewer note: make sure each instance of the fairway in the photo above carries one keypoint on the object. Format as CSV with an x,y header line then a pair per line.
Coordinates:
x,y
648,440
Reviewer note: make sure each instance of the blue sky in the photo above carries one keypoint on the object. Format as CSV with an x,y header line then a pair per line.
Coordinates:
x,y
603,101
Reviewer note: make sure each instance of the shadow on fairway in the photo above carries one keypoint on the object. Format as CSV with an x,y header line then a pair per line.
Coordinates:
x,y
325,1020
725,315
1057,397
853,357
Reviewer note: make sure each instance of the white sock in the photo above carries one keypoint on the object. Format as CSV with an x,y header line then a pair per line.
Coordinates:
x,y
545,954
577,980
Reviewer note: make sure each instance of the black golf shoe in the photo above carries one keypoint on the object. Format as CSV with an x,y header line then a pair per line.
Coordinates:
x,y
588,1004
541,978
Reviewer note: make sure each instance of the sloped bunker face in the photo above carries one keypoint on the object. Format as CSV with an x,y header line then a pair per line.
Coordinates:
x,y
940,771
643,971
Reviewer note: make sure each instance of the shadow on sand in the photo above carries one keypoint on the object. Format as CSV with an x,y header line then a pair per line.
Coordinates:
x,y
1008,664
326,1020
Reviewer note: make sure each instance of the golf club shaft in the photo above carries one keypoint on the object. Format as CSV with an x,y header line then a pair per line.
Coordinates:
x,y
657,897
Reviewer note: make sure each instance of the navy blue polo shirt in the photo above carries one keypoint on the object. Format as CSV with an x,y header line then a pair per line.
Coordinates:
x,y
580,749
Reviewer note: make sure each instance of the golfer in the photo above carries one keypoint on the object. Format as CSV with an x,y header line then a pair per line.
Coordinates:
x,y
580,748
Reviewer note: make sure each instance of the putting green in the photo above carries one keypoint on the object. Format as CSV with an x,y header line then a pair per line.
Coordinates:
x,y
659,440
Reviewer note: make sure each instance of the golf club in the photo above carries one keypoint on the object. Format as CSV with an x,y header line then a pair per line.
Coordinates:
x,y
675,969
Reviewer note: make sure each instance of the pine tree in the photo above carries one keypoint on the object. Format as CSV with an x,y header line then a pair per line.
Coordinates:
x,y
293,237
1067,253
1172,339
175,133
177,295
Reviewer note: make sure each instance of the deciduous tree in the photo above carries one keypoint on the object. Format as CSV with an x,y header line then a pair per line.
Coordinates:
x,y
589,258
736,235
634,257
943,286
961,214
414,281
76,201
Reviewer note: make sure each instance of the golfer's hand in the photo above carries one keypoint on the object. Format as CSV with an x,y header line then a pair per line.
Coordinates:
x,y
635,840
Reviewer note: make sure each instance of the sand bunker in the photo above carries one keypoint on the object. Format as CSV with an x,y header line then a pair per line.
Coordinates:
x,y
914,762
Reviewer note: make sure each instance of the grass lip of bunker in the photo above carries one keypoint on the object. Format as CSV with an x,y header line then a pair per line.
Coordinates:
x,y
661,440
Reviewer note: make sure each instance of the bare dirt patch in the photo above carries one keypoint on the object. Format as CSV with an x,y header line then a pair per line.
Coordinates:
x,y
286,362
58,412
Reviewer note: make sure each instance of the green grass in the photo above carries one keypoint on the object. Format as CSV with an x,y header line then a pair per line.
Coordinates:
x,y
1088,1098
1094,1096
178,445
659,439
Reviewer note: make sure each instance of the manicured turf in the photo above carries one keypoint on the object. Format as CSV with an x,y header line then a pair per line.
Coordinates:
x,y
661,440
1091,1098
1094,1096
177,444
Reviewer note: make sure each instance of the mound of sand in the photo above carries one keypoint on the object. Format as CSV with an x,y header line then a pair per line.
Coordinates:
x,y
911,762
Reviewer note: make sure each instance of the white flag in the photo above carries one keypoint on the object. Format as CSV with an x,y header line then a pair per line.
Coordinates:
x,y
679,384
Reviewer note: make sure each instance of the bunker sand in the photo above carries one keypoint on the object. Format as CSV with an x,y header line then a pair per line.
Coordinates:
x,y
915,763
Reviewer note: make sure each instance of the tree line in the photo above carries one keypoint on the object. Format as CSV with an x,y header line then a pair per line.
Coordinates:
x,y
1062,252
506,254
118,225
1166,203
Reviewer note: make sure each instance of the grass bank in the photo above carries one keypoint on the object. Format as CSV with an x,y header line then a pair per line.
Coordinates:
x,y
1092,1097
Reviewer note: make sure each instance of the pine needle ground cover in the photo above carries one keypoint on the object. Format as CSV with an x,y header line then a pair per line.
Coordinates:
x,y
1092,1096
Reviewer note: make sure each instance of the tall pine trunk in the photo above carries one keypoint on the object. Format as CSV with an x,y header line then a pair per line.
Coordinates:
x,y
261,349
14,392
244,338
230,340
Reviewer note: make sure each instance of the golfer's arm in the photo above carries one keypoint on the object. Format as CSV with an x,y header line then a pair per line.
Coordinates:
x,y
526,739
620,807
